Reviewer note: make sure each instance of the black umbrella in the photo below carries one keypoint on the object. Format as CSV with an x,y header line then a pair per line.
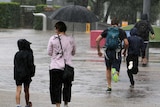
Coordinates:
x,y
74,13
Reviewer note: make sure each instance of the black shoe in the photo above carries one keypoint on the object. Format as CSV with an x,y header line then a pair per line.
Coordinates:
x,y
109,89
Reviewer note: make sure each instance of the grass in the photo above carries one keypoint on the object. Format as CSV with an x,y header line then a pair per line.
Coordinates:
x,y
155,28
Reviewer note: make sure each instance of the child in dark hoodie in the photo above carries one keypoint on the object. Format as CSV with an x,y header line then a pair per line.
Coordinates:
x,y
24,69
135,46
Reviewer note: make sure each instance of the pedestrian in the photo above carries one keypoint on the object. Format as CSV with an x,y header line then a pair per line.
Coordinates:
x,y
61,48
112,56
24,70
136,44
144,28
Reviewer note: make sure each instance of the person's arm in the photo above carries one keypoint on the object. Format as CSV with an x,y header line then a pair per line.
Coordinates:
x,y
124,52
126,43
123,37
74,47
152,31
98,39
31,65
49,48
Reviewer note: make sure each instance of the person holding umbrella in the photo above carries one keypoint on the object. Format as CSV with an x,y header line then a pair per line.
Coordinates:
x,y
61,48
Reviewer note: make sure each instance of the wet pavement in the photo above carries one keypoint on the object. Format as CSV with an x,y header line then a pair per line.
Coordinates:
x,y
89,87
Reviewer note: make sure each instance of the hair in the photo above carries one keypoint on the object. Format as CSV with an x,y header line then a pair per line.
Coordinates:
x,y
133,31
144,17
60,26
114,21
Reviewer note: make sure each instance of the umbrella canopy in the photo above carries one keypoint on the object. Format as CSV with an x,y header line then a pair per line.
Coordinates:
x,y
74,13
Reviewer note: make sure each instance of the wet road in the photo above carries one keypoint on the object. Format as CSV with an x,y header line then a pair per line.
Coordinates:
x,y
89,71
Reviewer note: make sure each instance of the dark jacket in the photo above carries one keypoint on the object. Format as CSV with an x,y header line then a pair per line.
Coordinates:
x,y
145,36
136,43
24,67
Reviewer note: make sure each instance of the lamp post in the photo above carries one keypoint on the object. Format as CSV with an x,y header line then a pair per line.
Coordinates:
x,y
146,10
146,7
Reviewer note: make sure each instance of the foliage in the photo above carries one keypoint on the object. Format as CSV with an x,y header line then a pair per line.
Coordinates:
x,y
9,15
30,2
122,9
79,2
127,10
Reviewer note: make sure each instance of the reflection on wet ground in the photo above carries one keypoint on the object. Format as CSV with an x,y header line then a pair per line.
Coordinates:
x,y
90,76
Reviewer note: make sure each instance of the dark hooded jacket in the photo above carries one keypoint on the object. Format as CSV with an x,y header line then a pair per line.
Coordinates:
x,y
136,43
144,19
24,61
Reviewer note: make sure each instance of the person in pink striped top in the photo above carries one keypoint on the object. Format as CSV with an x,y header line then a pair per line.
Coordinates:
x,y
61,48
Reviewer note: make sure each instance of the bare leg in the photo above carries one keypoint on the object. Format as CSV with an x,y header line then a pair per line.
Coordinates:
x,y
18,93
57,104
26,90
108,75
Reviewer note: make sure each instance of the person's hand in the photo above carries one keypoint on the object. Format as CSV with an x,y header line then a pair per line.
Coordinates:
x,y
152,36
124,52
100,53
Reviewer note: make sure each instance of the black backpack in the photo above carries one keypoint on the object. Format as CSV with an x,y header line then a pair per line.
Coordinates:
x,y
142,28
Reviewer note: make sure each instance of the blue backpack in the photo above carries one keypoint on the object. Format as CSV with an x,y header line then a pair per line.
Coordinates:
x,y
112,39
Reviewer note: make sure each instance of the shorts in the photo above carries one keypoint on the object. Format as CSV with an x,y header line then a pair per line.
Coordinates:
x,y
134,59
26,82
113,60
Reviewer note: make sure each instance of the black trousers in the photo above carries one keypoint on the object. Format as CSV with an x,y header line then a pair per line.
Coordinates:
x,y
56,84
134,69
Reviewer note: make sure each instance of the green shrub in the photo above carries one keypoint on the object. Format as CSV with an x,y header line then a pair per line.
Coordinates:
x,y
9,15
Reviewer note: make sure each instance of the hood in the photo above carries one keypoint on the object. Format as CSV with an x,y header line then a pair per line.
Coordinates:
x,y
144,17
133,31
23,44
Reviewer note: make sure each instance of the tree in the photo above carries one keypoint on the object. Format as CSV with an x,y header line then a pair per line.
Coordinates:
x,y
30,2
125,9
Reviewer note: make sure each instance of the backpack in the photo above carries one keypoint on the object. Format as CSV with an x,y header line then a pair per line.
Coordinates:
x,y
112,39
142,27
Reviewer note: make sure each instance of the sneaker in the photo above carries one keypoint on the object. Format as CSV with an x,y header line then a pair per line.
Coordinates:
x,y
113,71
130,65
29,105
109,89
115,76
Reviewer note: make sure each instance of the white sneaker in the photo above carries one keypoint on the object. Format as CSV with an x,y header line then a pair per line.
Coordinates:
x,y
18,105
130,65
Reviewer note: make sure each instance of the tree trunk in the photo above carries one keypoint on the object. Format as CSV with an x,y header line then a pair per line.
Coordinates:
x,y
108,12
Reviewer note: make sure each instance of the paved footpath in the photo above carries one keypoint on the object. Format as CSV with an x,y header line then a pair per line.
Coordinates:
x,y
90,83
